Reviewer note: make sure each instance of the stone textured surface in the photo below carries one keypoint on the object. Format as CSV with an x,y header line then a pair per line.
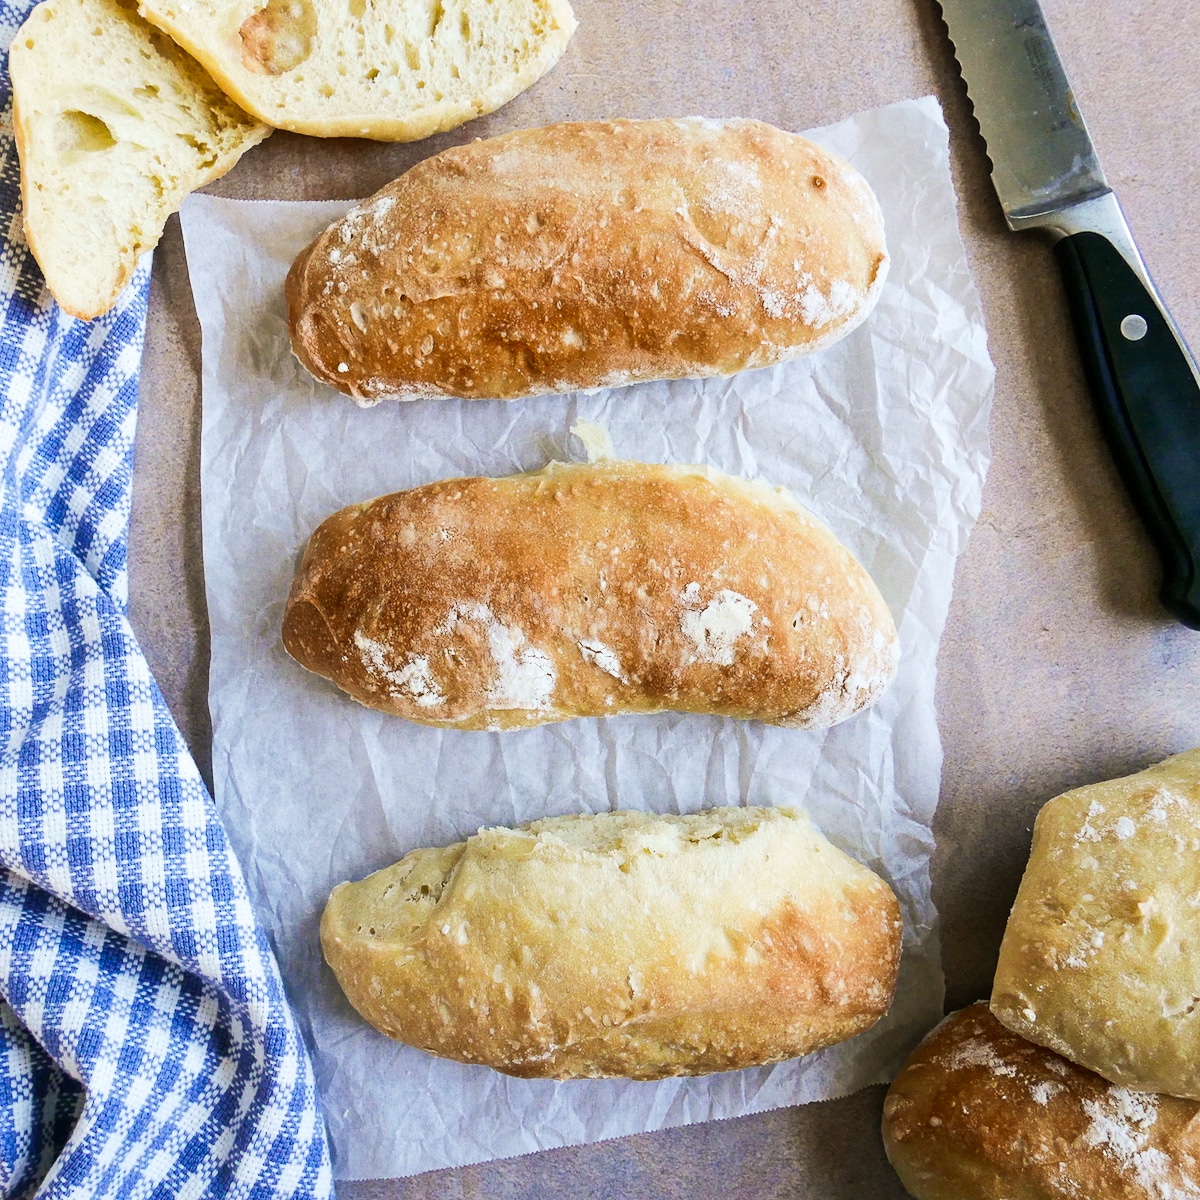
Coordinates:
x,y
1057,667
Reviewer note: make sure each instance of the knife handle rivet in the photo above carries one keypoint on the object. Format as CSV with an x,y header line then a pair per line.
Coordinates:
x,y
1134,328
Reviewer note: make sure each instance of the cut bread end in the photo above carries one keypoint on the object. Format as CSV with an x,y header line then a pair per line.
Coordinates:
x,y
110,148
392,70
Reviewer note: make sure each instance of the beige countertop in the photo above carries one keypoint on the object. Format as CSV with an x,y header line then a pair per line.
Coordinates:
x,y
1057,666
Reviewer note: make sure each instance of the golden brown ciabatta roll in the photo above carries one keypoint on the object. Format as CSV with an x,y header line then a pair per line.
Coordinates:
x,y
978,1113
590,590
589,254
621,944
1101,957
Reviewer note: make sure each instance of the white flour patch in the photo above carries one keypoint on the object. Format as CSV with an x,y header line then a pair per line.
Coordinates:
x,y
977,1053
736,191
1043,1093
603,657
817,309
525,676
414,679
1120,1126
1088,832
714,631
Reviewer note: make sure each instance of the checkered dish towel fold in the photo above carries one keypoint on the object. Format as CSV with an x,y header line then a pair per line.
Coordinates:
x,y
146,1045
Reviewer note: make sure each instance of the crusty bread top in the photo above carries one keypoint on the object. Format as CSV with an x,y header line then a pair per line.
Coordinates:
x,y
622,943
115,125
590,254
1099,960
589,590
395,70
978,1113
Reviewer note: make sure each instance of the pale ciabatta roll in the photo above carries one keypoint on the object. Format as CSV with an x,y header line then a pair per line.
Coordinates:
x,y
622,944
1101,957
978,1113
589,255
590,590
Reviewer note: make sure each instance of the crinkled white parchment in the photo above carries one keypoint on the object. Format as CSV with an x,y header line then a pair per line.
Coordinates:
x,y
883,435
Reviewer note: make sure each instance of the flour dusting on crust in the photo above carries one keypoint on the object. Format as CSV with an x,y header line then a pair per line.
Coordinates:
x,y
1121,1126
714,631
525,676
602,656
413,681
979,1053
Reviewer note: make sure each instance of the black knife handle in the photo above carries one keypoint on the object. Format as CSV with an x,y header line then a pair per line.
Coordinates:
x,y
1148,401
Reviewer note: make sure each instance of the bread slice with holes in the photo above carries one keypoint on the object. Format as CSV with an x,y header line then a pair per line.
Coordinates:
x,y
114,126
395,70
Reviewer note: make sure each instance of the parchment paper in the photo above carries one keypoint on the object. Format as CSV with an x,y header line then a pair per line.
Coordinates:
x,y
883,435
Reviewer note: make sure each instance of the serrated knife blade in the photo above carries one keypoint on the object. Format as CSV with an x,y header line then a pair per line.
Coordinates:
x,y
1144,380
1042,156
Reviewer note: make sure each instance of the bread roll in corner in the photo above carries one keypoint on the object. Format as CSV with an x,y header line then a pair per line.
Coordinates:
x,y
590,590
589,254
1101,957
621,944
978,1113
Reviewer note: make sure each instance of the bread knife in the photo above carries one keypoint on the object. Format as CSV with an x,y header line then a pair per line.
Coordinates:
x,y
1142,377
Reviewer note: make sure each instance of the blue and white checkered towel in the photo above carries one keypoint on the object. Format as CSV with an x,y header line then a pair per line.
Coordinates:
x,y
146,1045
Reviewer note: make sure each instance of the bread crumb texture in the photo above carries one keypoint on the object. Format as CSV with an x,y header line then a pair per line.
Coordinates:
x,y
589,590
621,944
114,125
1101,957
979,1113
590,254
396,70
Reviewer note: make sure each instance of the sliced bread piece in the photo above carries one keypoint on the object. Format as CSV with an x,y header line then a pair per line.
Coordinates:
x,y
395,70
115,125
